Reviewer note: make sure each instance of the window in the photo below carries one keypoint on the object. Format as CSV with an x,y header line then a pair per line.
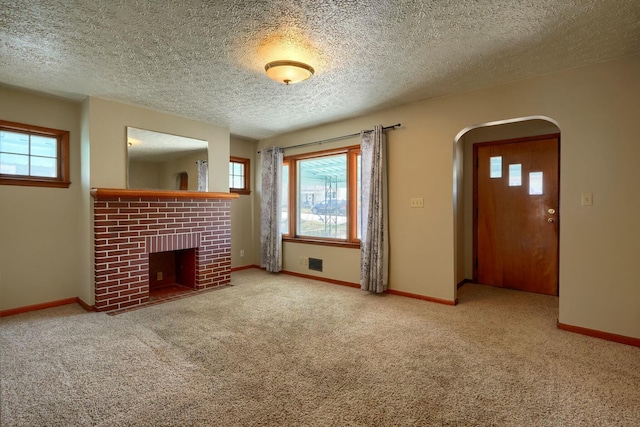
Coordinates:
x,y
535,183
515,175
239,175
32,155
321,204
495,167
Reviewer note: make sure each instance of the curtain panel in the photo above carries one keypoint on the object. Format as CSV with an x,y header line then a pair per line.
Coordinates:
x,y
203,175
374,247
271,236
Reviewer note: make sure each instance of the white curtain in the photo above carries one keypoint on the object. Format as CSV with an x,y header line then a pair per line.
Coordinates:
x,y
374,248
271,237
203,175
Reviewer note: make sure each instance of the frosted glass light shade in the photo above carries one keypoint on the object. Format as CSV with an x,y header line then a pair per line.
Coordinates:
x,y
288,72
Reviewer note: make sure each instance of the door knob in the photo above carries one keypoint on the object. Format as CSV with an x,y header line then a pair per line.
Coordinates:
x,y
551,220
551,211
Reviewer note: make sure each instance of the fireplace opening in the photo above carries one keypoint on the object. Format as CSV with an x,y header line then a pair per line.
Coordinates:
x,y
172,271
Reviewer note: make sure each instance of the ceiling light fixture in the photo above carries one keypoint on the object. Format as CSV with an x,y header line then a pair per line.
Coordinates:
x,y
288,72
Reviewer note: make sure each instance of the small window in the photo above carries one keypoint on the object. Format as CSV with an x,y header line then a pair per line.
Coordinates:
x,y
239,175
33,155
515,175
535,183
495,167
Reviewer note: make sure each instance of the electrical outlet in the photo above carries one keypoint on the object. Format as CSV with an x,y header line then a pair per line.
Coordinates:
x,y
159,275
416,202
241,252
304,261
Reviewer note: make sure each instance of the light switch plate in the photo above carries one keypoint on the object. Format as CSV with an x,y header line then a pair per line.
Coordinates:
x,y
587,199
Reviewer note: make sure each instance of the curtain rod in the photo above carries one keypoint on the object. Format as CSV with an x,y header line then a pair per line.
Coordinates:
x,y
338,138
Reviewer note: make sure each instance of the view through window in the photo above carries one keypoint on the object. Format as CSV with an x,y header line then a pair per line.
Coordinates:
x,y
239,175
326,190
32,155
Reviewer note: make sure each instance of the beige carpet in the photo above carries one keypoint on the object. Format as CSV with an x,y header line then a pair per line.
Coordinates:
x,y
277,350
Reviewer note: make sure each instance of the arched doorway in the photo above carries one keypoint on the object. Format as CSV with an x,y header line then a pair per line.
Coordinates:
x,y
463,178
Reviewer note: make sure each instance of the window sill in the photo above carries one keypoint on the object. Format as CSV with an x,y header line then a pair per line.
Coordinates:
x,y
34,182
322,242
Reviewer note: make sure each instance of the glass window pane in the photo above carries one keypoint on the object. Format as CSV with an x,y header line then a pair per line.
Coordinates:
x,y
44,166
535,183
12,142
284,210
44,146
495,167
322,192
236,175
14,164
515,175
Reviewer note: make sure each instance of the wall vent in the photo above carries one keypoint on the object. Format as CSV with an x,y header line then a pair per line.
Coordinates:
x,y
315,264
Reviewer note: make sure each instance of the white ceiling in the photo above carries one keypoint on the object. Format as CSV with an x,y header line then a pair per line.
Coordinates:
x,y
205,59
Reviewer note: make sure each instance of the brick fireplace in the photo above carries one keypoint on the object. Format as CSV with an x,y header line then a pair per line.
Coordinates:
x,y
129,225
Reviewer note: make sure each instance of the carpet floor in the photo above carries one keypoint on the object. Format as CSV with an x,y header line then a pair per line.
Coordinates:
x,y
277,350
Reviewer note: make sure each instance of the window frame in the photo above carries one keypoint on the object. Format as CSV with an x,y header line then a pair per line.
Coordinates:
x,y
247,175
352,240
62,157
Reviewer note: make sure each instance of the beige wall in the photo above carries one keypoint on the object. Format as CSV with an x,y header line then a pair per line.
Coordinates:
x,y
242,209
338,263
40,240
171,169
145,175
596,110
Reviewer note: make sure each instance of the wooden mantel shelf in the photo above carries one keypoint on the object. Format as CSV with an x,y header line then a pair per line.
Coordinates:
x,y
110,193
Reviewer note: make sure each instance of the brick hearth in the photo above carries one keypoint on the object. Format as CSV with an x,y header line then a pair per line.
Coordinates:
x,y
131,224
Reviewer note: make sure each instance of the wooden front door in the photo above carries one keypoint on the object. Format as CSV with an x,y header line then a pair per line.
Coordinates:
x,y
516,222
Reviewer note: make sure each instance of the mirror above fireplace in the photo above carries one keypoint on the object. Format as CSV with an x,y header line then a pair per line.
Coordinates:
x,y
161,161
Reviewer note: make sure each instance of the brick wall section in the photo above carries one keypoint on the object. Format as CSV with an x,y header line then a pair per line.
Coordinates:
x,y
126,230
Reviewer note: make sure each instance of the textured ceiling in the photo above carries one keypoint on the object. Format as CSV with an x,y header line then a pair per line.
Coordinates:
x,y
150,146
205,59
